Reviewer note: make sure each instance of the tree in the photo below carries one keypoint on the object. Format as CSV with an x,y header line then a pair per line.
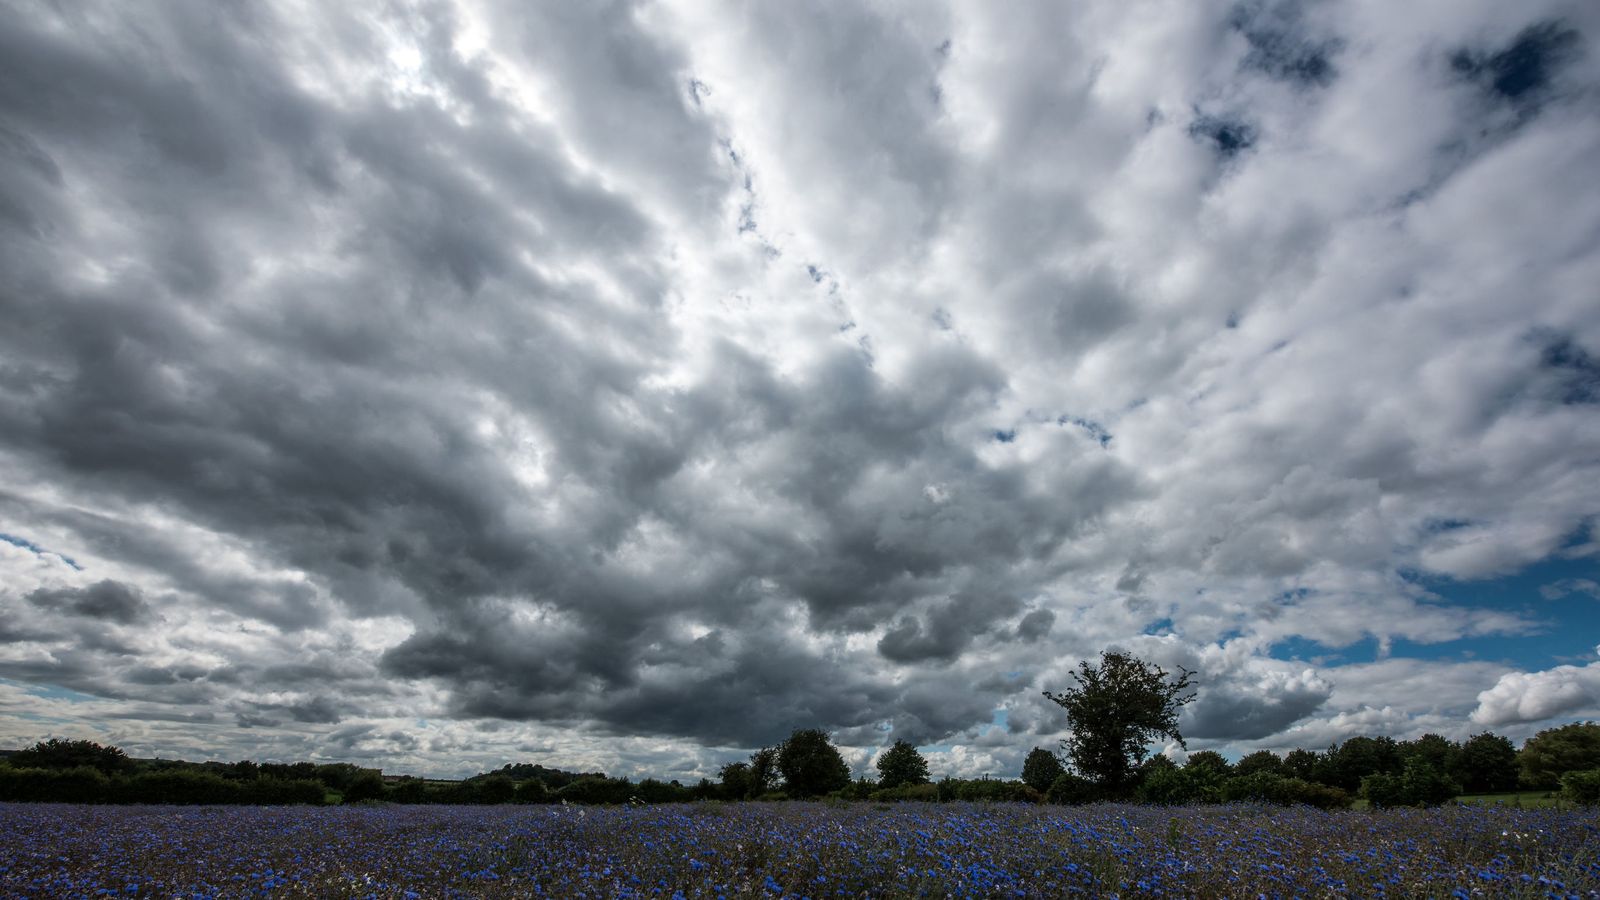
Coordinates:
x,y
59,754
1435,750
1344,765
1487,763
1209,761
811,765
1259,761
1041,769
1556,751
763,771
366,785
1115,711
901,765
736,780
1300,763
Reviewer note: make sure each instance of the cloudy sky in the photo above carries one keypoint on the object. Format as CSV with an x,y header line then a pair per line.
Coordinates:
x,y
435,385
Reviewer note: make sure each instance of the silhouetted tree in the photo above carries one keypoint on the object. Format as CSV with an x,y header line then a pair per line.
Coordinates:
x,y
1115,711
901,765
1487,763
56,753
763,771
1259,761
367,785
811,765
1556,751
1041,769
735,781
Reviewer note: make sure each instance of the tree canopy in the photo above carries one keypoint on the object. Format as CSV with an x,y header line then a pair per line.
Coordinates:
x,y
1116,709
811,765
901,765
1041,769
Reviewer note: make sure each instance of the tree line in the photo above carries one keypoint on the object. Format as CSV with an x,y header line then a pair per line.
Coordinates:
x,y
1116,710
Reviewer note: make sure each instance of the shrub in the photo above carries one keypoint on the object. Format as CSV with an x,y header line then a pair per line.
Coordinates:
x,y
596,791
1582,788
1420,784
184,787
924,793
78,785
534,791
1072,789
366,785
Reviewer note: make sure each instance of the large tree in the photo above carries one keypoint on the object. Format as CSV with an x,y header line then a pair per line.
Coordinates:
x,y
1556,751
901,765
1487,763
1041,769
811,765
1116,710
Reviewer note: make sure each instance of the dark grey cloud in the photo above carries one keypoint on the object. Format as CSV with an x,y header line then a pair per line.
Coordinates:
x,y
625,380
110,600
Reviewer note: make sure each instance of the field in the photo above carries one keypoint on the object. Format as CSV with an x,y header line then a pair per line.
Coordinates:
x,y
794,850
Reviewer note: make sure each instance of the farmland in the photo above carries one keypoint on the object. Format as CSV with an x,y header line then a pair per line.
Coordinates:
x,y
794,849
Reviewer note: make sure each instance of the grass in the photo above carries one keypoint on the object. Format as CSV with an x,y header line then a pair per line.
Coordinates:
x,y
1523,799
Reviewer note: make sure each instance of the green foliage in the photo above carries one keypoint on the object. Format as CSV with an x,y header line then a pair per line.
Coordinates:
x,y
1072,789
534,790
1168,787
735,781
763,771
596,791
901,765
811,765
1420,783
1041,769
366,785
1345,765
1299,763
1266,787
83,784
56,753
1582,788
494,789
1261,761
1435,750
1209,761
1554,752
986,790
1115,711
653,790
1487,763
921,793
415,790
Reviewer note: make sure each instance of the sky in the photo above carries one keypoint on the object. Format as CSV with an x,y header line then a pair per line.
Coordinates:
x,y
436,385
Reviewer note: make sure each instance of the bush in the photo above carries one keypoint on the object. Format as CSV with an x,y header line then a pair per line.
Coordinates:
x,y
409,790
1168,787
1582,788
284,791
79,785
1072,789
1420,784
986,790
492,789
923,793
183,787
366,785
534,791
596,791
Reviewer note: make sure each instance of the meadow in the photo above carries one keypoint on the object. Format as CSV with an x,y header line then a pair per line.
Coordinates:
x,y
795,850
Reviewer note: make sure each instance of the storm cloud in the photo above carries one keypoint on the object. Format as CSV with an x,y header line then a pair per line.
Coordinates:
x,y
641,382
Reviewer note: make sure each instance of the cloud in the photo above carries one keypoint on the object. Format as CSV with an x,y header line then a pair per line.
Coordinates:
x,y
628,380
108,600
1532,696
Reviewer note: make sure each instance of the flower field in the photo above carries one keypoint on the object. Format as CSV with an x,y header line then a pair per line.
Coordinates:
x,y
794,850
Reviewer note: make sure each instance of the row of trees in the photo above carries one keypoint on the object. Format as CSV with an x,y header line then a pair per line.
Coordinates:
x,y
1116,710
